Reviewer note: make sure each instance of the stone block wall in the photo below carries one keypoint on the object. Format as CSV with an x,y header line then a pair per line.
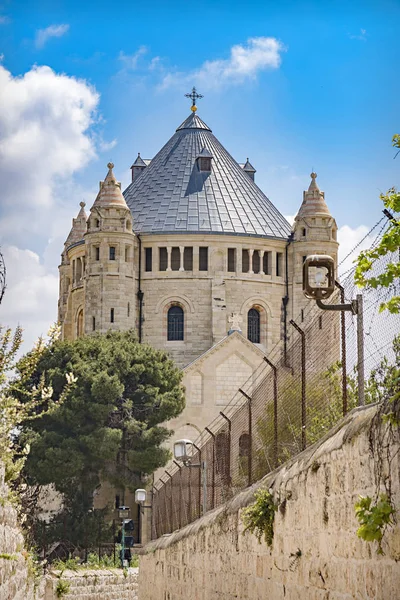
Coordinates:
x,y
104,584
16,582
316,554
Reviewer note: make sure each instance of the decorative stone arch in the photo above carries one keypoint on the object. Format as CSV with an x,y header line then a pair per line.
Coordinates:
x,y
167,301
79,322
165,304
265,311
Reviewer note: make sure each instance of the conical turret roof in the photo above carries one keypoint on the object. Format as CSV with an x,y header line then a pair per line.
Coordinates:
x,y
313,201
172,195
110,191
78,227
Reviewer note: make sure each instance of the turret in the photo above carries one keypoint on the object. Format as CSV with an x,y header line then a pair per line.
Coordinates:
x,y
138,167
110,300
71,270
314,232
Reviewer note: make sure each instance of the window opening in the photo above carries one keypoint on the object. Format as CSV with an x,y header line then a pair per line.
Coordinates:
x,y
112,252
231,260
175,258
112,315
188,259
129,309
175,324
94,323
256,261
97,253
267,263
245,261
253,326
279,264
203,258
304,232
148,259
163,259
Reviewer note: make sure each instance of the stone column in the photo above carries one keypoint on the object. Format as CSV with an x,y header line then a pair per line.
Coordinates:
x,y
196,259
181,250
251,252
169,250
261,254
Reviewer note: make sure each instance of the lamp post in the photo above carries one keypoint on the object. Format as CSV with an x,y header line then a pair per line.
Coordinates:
x,y
140,499
183,451
123,513
318,285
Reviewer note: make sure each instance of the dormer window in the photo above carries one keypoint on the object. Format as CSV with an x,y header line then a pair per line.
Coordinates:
x,y
204,161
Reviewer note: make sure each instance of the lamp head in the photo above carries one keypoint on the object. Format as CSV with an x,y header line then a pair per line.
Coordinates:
x,y
140,496
182,450
318,276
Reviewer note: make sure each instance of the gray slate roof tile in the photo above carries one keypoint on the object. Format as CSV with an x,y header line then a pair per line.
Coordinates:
x,y
173,195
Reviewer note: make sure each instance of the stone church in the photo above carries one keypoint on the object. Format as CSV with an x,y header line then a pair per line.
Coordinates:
x,y
196,258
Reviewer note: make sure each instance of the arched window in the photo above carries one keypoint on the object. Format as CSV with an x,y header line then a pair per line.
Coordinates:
x,y
79,323
175,323
253,326
223,456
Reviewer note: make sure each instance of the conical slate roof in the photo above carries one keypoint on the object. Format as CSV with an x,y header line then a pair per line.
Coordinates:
x,y
110,191
313,201
173,196
78,229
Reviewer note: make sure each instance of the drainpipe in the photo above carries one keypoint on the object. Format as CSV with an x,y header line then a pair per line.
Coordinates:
x,y
285,300
140,294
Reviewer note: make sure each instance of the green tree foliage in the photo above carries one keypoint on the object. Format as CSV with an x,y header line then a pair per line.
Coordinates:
x,y
21,402
108,427
324,405
390,243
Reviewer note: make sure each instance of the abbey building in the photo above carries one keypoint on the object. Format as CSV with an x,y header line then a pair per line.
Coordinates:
x,y
197,260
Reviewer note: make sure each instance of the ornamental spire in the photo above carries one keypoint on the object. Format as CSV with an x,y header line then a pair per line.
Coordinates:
x,y
193,96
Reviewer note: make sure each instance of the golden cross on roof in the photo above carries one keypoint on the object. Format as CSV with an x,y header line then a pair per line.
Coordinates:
x,y
193,96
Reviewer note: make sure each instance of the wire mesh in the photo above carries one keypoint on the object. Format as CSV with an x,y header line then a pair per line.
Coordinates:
x,y
289,402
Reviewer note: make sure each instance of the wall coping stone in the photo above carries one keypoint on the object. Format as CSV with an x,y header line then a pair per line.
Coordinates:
x,y
348,428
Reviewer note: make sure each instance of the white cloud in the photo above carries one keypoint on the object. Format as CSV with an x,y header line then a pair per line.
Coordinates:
x,y
30,298
244,63
362,36
348,238
44,124
43,35
47,135
130,61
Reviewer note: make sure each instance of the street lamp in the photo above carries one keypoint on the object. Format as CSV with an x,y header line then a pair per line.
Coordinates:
x,y
183,452
140,498
319,284
123,513
318,276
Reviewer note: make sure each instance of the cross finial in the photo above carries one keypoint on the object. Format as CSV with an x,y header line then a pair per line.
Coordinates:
x,y
193,96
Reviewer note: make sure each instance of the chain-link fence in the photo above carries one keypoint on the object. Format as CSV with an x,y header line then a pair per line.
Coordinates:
x,y
290,402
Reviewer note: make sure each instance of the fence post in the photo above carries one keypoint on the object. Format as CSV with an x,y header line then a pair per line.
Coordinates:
x,y
360,350
213,468
275,372
250,428
171,505
303,384
343,345
200,475
229,447
180,494
153,519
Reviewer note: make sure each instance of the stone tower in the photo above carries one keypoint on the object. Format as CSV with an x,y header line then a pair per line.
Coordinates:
x,y
110,298
71,271
314,232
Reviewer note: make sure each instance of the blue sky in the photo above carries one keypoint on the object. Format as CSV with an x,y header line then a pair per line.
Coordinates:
x,y
294,86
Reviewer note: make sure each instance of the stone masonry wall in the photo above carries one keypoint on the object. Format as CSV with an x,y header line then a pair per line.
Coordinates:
x,y
316,554
105,584
16,583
